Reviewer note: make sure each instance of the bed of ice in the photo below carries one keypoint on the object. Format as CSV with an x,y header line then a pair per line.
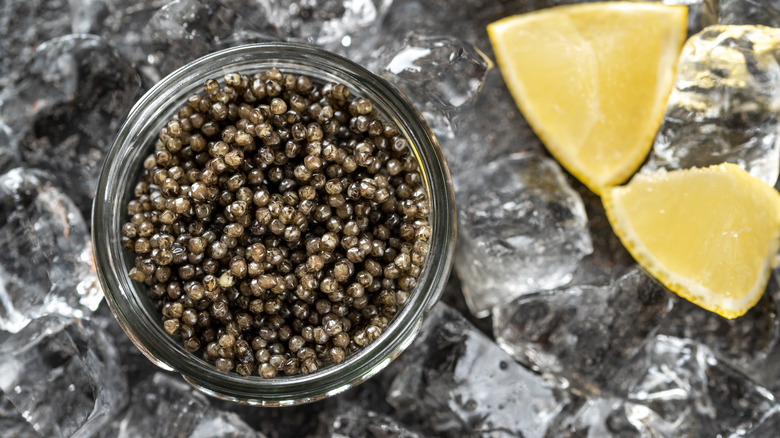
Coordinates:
x,y
546,328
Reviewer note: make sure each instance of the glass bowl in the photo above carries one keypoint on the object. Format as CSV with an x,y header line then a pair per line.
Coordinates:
x,y
122,168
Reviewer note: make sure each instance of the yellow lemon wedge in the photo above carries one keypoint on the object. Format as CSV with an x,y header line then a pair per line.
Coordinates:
x,y
711,234
593,80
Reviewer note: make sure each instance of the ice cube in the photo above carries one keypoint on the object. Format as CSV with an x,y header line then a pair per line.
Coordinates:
x,y
765,12
521,228
86,16
748,343
492,130
428,49
766,427
45,264
454,381
583,334
63,376
184,30
328,23
438,17
12,423
122,23
67,107
597,417
134,364
9,153
164,405
24,25
725,104
442,75
175,35
681,389
222,424
359,421
419,16
609,258
452,295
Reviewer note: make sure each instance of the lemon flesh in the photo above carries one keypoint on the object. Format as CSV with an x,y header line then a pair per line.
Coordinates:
x,y
709,234
592,80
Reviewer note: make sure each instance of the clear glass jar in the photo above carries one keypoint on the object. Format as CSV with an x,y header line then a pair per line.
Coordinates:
x,y
129,301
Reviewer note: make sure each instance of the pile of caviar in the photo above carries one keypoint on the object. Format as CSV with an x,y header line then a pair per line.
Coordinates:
x,y
278,225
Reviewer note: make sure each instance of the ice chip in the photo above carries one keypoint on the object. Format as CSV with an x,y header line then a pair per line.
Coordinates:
x,y
725,103
521,228
45,264
67,108
583,334
63,376
681,389
454,379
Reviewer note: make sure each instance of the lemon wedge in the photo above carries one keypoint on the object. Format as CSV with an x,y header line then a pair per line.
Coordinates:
x,y
592,80
711,234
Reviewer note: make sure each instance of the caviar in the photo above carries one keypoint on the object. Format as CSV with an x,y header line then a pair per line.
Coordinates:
x,y
278,225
